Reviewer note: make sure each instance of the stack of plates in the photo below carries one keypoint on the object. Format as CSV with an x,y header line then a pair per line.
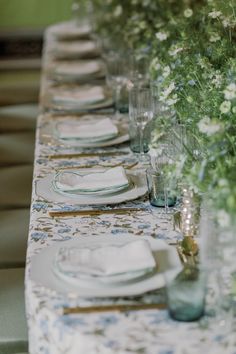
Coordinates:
x,y
100,131
45,188
70,30
45,269
109,265
75,49
79,70
106,182
74,99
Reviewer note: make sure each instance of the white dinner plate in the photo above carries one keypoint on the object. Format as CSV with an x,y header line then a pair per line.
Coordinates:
x,y
63,98
122,137
42,268
70,30
72,73
44,189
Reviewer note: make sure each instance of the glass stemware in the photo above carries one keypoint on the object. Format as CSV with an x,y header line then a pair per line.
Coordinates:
x,y
141,111
219,311
116,76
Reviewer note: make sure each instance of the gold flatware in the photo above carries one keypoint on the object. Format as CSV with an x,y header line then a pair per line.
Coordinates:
x,y
91,212
107,308
85,154
127,167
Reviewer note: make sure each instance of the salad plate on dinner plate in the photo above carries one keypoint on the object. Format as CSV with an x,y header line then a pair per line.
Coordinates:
x,y
70,30
73,99
103,140
45,273
137,187
76,71
74,49
95,183
111,265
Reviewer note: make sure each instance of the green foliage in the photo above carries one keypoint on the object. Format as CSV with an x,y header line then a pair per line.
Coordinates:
x,y
192,49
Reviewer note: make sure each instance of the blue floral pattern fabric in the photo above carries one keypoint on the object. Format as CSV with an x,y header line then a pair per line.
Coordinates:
x,y
137,332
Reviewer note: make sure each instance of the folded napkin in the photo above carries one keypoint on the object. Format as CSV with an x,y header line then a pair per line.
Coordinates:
x,y
107,260
95,130
85,96
71,68
78,47
96,181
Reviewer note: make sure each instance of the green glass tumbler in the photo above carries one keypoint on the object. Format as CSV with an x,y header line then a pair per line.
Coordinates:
x,y
186,292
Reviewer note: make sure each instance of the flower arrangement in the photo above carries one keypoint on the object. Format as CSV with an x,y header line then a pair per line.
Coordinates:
x,y
191,46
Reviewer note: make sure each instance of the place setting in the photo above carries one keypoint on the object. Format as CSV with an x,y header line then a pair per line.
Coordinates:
x,y
76,71
104,266
71,98
70,30
84,48
86,131
93,186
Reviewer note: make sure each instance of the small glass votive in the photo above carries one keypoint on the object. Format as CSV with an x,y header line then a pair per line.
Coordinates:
x,y
134,135
186,292
159,194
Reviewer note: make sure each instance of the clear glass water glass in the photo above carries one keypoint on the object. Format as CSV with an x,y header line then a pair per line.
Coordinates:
x,y
160,195
116,76
141,112
219,269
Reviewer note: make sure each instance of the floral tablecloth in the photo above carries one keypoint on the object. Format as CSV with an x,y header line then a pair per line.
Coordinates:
x,y
141,332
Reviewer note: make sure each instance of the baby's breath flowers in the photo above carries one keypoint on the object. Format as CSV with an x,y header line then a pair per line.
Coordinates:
x,y
191,47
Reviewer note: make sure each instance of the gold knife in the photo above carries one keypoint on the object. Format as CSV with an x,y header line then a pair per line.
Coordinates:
x,y
107,308
85,154
127,167
91,212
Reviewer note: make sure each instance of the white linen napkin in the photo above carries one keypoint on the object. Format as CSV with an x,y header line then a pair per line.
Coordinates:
x,y
88,131
86,68
78,47
107,260
97,181
81,97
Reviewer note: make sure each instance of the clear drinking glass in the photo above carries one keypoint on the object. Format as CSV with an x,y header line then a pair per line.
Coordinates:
x,y
160,194
141,112
116,76
219,309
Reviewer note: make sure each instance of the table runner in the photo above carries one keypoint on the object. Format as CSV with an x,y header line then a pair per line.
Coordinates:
x,y
143,332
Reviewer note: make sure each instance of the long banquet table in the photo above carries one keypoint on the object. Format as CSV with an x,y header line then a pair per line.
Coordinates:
x,y
145,332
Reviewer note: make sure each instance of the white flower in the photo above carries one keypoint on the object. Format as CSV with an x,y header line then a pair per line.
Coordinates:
x,y
167,91
189,99
209,126
162,36
225,107
173,52
223,218
118,11
172,101
166,71
188,13
215,14
214,37
155,64
226,22
217,80
230,91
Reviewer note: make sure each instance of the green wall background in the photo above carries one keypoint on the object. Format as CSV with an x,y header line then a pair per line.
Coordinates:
x,y
33,13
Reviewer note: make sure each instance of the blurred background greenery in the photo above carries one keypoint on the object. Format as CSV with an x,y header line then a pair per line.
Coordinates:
x,y
33,13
